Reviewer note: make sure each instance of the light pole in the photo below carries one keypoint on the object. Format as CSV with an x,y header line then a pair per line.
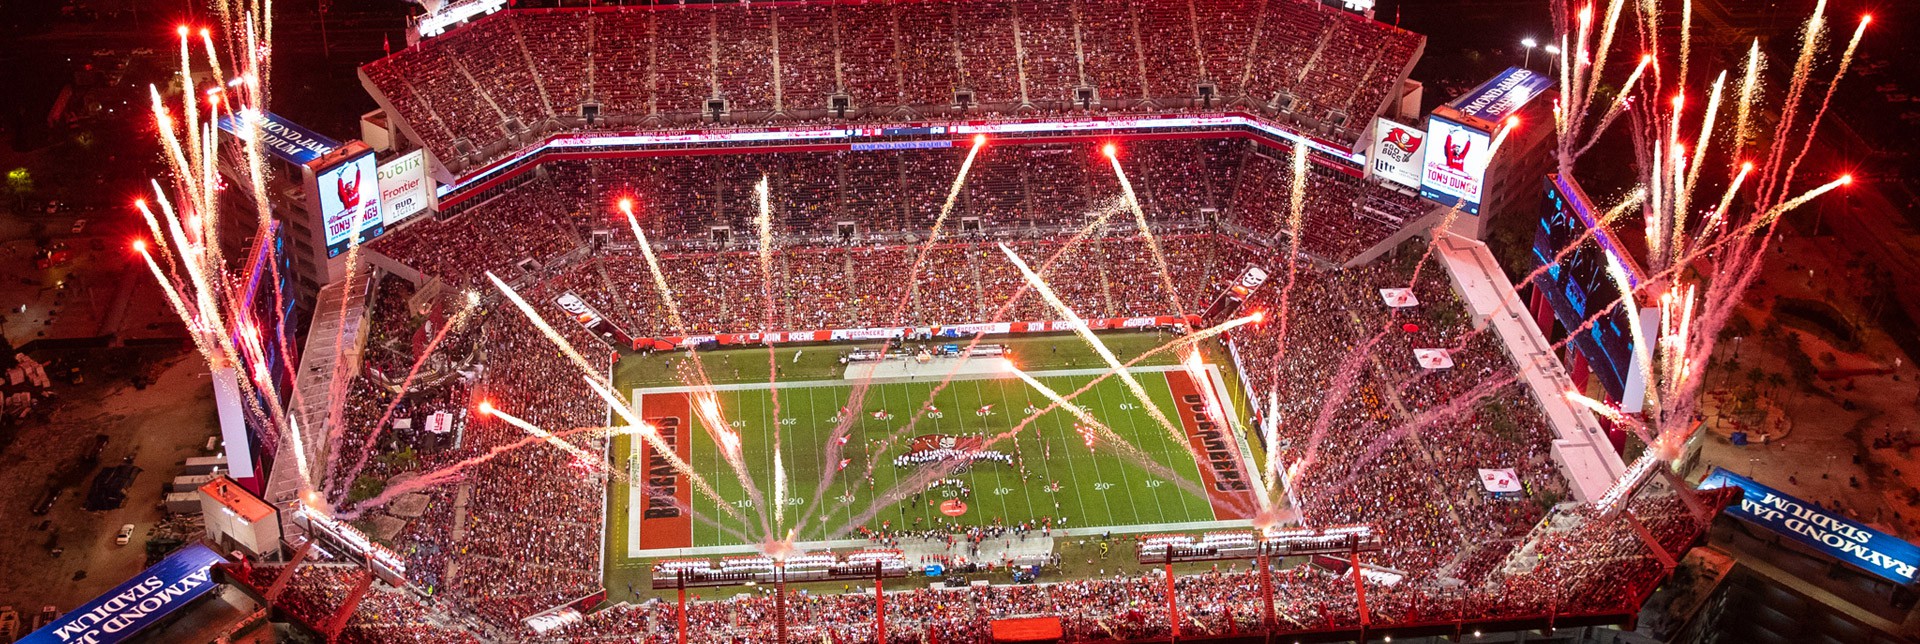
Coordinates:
x,y
1553,60
1529,43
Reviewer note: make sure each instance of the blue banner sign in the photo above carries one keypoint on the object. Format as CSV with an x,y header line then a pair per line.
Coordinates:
x,y
1500,97
281,137
136,604
1825,530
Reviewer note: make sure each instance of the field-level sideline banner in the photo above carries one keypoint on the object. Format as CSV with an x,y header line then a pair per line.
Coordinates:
x,y
1830,532
136,604
910,332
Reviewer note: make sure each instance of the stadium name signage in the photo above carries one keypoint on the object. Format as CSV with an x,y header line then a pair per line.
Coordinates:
x,y
1843,538
146,598
136,604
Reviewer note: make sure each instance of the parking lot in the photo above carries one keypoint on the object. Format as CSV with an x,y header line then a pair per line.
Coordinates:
x,y
157,427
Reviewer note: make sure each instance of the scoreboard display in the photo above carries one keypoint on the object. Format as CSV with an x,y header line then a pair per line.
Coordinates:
x,y
1579,286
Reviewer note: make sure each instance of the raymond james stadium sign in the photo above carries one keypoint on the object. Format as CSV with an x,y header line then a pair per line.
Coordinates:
x,y
136,604
1824,530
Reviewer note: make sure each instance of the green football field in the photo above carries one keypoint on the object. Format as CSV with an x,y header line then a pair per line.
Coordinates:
x,y
1054,474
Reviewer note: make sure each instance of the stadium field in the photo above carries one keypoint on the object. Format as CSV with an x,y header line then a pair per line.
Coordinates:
x,y
1048,473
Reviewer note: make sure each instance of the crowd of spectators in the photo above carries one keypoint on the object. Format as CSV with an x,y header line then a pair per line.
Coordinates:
x,y
528,537
482,89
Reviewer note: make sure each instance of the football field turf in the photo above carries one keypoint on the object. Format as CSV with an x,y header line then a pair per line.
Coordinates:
x,y
1053,472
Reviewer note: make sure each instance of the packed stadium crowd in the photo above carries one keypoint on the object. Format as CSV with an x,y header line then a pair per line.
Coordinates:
x,y
520,533
490,87
1369,435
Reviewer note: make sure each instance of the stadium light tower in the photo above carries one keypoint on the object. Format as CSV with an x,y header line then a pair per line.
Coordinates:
x,y
1529,43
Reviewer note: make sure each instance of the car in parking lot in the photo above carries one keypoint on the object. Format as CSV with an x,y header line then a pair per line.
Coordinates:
x,y
46,502
124,535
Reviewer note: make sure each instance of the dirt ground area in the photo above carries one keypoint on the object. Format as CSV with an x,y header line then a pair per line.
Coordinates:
x,y
1830,405
158,427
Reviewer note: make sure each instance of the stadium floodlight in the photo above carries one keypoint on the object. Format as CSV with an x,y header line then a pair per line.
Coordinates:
x,y
1529,43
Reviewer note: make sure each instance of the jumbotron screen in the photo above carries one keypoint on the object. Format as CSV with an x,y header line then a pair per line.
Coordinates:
x,y
1578,285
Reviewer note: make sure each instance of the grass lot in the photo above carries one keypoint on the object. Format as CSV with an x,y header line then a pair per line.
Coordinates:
x,y
1096,487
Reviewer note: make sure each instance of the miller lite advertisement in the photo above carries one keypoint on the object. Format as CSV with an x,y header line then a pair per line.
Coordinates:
x,y
349,202
1398,150
584,313
1229,301
1455,165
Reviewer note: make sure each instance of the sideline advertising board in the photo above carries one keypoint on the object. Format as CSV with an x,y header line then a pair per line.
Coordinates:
x,y
1886,556
137,603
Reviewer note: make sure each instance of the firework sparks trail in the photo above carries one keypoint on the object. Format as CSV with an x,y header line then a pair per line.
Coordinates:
x,y
1620,102
179,305
840,431
765,222
1111,438
1585,95
1749,89
373,436
1686,39
1814,34
1846,61
1297,200
707,407
933,234
651,435
1080,327
1720,210
925,475
456,472
717,425
1146,230
584,456
1699,155
540,324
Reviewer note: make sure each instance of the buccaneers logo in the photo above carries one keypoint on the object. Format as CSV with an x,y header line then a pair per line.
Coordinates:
x,y
1404,140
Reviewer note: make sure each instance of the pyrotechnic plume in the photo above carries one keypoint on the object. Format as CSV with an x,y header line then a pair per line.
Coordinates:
x,y
1680,153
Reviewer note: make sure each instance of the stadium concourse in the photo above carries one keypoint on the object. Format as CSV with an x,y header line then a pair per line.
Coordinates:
x,y
521,532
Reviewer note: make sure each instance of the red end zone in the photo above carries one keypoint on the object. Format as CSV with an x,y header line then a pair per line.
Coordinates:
x,y
663,521
1222,466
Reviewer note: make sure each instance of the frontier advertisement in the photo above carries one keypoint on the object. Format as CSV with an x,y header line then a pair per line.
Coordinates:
x,y
349,202
1397,153
136,603
1882,554
404,189
1454,167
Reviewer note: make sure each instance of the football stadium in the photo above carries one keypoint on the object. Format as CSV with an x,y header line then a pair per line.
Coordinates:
x,y
981,321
